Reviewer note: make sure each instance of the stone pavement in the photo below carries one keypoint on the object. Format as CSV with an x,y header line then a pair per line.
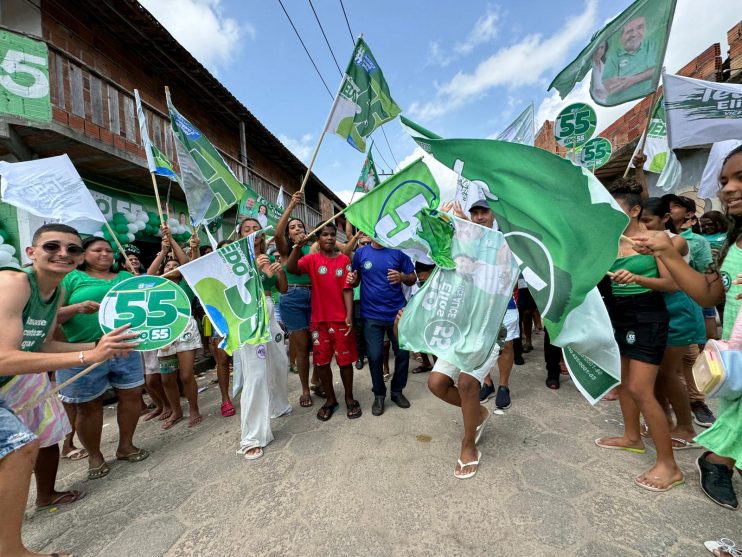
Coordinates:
x,y
385,486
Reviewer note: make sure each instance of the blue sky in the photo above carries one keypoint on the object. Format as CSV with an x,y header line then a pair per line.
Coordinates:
x,y
460,68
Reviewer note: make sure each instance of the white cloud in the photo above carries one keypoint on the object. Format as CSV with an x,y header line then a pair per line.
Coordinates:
x,y
202,28
301,147
347,195
485,30
519,64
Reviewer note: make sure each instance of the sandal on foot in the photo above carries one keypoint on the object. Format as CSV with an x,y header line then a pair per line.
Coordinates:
x,y
463,465
683,444
305,401
255,455
648,487
354,410
137,456
326,412
318,390
644,431
422,369
76,454
618,448
480,427
228,409
98,472
73,495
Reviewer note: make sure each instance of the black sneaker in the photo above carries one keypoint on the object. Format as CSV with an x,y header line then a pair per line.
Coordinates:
x,y
716,482
502,400
400,400
702,415
519,361
486,392
378,407
359,363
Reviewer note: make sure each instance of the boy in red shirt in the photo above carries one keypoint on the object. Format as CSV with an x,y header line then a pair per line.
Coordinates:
x,y
332,316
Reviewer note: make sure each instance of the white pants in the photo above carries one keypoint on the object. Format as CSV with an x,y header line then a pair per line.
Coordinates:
x,y
262,371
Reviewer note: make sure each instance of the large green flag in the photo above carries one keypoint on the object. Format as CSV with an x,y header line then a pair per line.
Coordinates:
x,y
458,313
255,206
625,56
364,102
227,282
368,179
563,229
391,213
205,164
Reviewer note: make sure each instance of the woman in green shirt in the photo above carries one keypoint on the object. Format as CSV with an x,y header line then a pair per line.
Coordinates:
x,y
84,289
640,324
724,438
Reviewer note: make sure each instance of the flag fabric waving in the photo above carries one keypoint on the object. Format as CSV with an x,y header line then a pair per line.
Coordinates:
x,y
389,212
200,163
255,206
368,179
280,203
227,282
458,312
364,102
522,130
562,226
709,186
625,56
51,188
157,162
660,158
701,112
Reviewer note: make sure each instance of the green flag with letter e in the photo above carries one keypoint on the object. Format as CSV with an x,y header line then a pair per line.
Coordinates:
x,y
391,214
563,229
227,282
201,162
364,102
625,56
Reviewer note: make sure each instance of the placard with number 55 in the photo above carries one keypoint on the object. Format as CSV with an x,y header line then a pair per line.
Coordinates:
x,y
157,309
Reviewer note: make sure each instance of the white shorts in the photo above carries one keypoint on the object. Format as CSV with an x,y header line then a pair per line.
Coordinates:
x,y
450,370
511,322
189,340
151,362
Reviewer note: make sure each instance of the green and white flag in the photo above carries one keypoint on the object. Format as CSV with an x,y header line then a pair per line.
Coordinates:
x,y
660,158
255,206
200,163
364,102
522,130
458,312
390,213
157,162
563,229
701,112
368,179
625,56
227,282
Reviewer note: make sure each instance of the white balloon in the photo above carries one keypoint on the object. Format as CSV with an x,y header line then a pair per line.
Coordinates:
x,y
7,248
2,240
172,223
98,234
130,217
5,257
130,237
133,228
141,225
141,215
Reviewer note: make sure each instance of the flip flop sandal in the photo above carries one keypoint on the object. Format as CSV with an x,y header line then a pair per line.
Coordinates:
x,y
328,412
228,410
463,465
480,427
305,401
644,431
684,444
354,410
641,484
138,456
618,448
254,456
422,369
77,454
98,472
56,502
318,390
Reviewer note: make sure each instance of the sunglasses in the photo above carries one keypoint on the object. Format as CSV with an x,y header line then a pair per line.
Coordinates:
x,y
55,247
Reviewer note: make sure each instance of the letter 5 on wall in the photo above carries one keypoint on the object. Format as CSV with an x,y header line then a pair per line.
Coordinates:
x,y
24,77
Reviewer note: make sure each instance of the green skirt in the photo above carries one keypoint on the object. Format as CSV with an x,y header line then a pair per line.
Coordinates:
x,y
725,437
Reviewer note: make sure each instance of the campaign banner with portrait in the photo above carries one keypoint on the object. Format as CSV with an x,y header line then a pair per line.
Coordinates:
x,y
255,206
625,56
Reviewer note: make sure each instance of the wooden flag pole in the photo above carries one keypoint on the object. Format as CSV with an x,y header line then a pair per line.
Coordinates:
x,y
127,263
646,131
328,221
157,198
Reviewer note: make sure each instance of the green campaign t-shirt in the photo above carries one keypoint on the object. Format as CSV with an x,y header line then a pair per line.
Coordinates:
x,y
291,278
730,268
81,287
716,241
700,250
624,64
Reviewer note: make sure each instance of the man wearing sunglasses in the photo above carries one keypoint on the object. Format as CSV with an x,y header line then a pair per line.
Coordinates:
x,y
28,308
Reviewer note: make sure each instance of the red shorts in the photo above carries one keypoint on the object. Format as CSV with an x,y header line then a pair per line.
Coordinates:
x,y
329,339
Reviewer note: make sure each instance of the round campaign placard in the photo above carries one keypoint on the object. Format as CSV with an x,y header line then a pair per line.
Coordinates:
x,y
157,309
575,125
596,152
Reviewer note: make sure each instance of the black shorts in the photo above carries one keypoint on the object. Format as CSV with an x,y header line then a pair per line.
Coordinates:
x,y
525,300
640,326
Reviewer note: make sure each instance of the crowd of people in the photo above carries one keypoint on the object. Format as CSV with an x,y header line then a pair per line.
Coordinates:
x,y
674,276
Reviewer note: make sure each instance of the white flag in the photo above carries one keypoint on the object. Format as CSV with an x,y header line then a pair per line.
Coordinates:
x,y
701,112
709,187
279,200
52,189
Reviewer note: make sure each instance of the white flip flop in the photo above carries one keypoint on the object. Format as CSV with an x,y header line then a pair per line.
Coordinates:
x,y
480,427
463,465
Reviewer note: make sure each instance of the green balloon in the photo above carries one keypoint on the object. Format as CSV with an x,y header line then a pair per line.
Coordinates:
x,y
122,228
107,234
4,235
119,218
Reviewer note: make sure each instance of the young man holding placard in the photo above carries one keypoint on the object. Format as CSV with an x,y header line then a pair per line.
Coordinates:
x,y
28,310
